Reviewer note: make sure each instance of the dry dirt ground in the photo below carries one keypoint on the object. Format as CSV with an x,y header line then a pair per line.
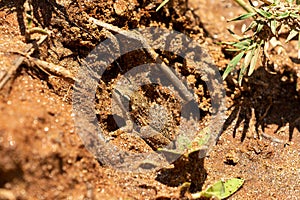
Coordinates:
x,y
42,157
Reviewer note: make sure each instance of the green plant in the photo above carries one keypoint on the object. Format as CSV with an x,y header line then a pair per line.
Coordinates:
x,y
162,5
186,145
221,189
268,21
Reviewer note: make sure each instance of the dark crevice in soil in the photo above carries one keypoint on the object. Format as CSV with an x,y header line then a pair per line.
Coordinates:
x,y
268,94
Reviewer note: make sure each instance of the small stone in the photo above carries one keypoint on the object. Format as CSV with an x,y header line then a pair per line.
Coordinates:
x,y
6,194
120,7
231,158
191,79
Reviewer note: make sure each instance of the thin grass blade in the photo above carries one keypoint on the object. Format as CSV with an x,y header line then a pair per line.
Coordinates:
x,y
263,13
233,50
299,45
273,25
227,43
232,64
295,15
245,65
251,26
234,35
252,46
283,15
259,27
161,5
243,16
291,35
241,74
254,61
244,44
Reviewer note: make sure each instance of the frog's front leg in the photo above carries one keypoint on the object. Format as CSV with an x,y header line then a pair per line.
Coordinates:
x,y
154,138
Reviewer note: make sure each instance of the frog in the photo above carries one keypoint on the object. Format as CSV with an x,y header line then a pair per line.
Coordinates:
x,y
145,118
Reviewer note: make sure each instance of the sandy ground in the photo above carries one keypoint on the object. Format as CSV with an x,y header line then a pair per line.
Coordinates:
x,y
42,156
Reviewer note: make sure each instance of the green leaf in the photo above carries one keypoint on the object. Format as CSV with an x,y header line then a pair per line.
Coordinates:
x,y
244,16
254,60
299,46
242,44
292,34
184,187
232,49
295,15
283,15
245,64
241,74
221,189
161,5
263,13
185,146
251,26
204,136
252,46
232,64
182,144
259,27
234,35
273,26
248,57
275,2
228,43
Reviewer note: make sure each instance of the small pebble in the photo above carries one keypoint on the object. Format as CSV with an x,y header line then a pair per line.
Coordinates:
x,y
6,194
231,158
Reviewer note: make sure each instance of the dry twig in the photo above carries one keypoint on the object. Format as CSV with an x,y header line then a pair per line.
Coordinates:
x,y
50,68
8,74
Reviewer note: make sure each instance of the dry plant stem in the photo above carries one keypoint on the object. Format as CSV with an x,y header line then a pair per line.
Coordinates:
x,y
273,139
245,6
185,94
50,68
6,76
